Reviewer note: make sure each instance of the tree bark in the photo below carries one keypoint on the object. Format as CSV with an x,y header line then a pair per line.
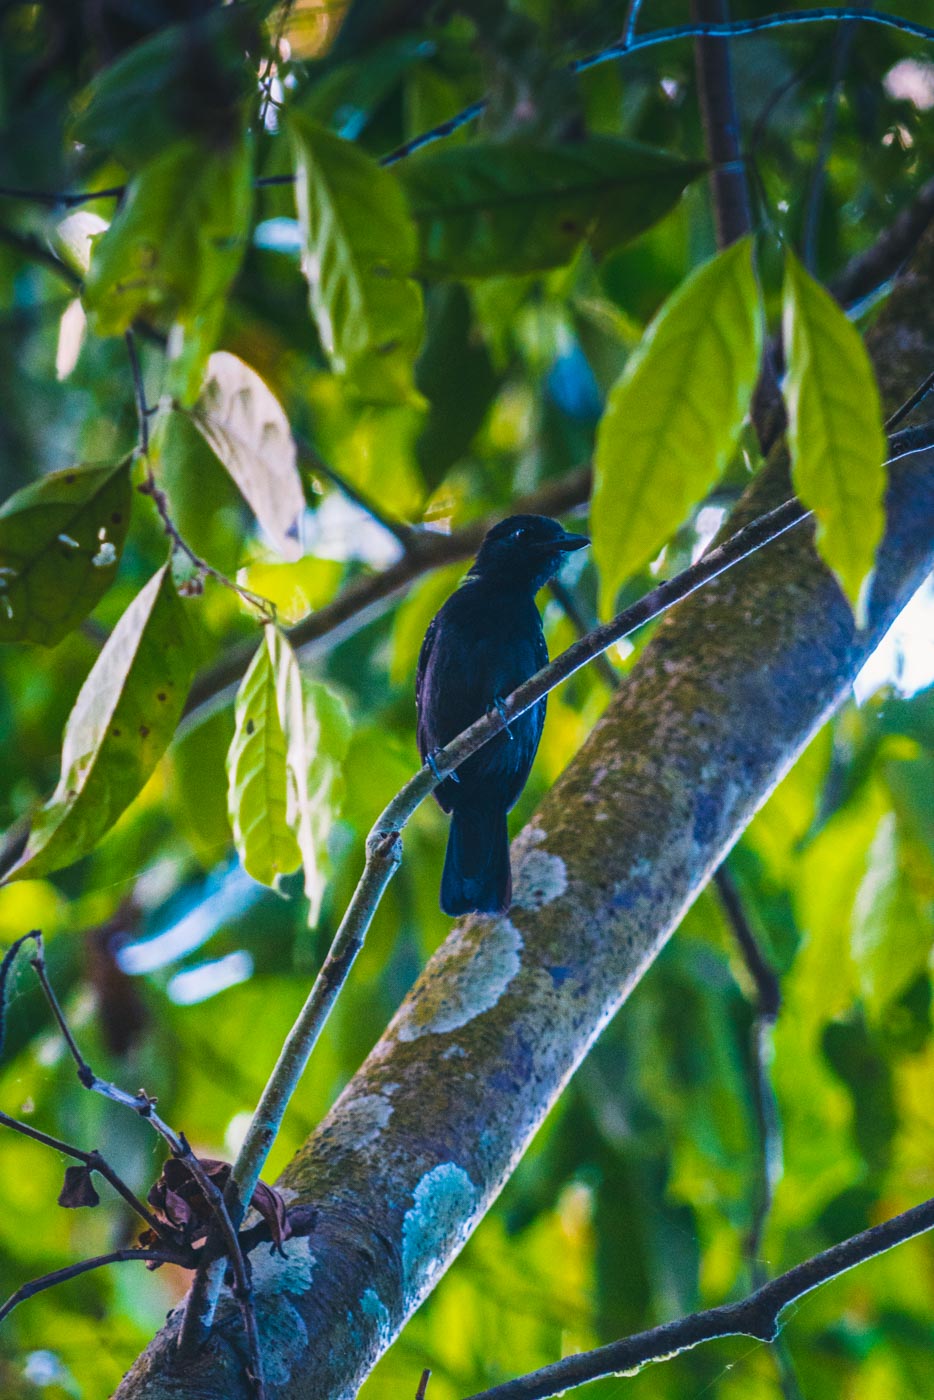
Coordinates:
x,y
730,691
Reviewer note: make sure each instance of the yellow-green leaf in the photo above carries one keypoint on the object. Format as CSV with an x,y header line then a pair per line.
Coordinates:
x,y
125,714
835,431
359,253
60,543
256,768
674,416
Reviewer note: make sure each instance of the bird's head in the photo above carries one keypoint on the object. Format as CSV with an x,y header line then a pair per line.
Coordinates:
x,y
526,550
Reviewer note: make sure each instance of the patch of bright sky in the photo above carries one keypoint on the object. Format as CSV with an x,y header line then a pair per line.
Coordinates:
x,y
230,892
207,979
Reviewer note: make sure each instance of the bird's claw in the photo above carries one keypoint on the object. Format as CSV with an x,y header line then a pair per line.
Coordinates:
x,y
433,765
500,709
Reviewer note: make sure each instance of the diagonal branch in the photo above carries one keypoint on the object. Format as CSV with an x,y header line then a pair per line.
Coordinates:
x,y
757,1316
84,1266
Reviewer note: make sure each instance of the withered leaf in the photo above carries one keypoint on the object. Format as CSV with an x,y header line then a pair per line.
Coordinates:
x,y
79,1189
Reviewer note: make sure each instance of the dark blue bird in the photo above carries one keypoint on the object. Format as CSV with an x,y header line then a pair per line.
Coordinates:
x,y
486,640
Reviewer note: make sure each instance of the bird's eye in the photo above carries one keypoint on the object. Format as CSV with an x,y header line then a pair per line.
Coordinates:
x,y
519,531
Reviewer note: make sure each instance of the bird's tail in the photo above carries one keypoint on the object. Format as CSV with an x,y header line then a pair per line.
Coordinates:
x,y
476,865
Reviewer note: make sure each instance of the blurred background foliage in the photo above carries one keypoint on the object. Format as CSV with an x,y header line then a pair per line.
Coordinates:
x,y
179,973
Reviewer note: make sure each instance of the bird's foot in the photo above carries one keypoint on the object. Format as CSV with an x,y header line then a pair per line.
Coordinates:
x,y
433,765
500,708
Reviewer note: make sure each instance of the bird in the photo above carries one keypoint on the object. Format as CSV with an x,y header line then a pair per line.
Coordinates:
x,y
486,640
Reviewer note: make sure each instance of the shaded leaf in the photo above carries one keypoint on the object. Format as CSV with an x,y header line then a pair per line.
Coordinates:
x,y
246,427
186,79
177,240
122,721
257,791
359,252
489,209
835,431
674,416
60,543
79,1189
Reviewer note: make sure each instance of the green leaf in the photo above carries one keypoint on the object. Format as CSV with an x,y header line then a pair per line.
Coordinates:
x,y
257,793
121,724
892,926
489,209
177,241
245,426
60,543
187,79
360,248
835,432
284,767
318,730
673,417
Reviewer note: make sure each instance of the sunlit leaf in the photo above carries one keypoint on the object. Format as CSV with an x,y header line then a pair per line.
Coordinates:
x,y
359,253
122,721
317,728
835,431
258,793
177,240
60,543
674,416
294,589
74,236
246,427
488,209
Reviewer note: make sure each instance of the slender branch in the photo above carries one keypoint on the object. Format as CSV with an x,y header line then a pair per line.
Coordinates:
x,y
842,47
96,1163
84,1266
768,987
629,44
369,594
910,403
720,119
139,393
423,1385
872,268
178,1145
630,21
319,467
757,1316
36,252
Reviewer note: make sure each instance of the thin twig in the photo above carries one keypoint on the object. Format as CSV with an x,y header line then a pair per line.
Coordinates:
x,y
178,1145
84,1266
871,269
630,21
139,394
97,1163
36,252
423,1385
319,467
910,403
757,1316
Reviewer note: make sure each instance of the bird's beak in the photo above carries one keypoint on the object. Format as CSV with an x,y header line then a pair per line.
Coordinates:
x,y
570,542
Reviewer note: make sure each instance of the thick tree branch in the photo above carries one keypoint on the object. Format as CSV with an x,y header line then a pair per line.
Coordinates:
x,y
758,1316
726,695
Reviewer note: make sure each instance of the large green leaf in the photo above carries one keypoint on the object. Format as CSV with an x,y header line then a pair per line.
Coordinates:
x,y
178,239
835,431
488,209
674,416
284,768
60,542
246,427
359,252
257,793
186,79
125,714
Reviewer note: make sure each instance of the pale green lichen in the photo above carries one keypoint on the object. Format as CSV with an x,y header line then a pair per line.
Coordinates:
x,y
373,1307
283,1334
473,984
539,876
363,1118
438,1222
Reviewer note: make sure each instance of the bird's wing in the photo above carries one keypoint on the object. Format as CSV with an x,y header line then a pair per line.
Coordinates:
x,y
423,658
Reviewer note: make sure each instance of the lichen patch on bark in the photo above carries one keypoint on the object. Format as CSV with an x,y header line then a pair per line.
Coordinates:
x,y
472,985
444,1202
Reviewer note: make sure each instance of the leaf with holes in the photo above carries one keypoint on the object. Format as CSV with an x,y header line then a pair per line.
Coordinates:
x,y
257,769
674,416
491,209
60,543
177,241
835,432
125,714
359,253
245,426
